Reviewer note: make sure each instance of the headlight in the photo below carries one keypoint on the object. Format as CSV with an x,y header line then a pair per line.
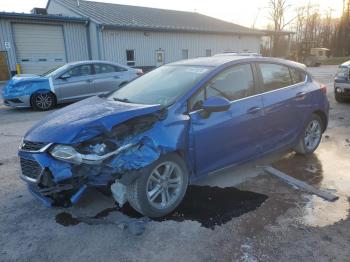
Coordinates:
x,y
66,153
98,154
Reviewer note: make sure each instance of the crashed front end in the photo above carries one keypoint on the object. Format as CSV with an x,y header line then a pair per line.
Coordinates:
x,y
18,90
58,174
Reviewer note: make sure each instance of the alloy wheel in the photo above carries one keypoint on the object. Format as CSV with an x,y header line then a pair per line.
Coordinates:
x,y
312,135
43,101
164,185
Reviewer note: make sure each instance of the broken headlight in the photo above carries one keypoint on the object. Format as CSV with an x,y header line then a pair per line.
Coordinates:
x,y
67,154
93,155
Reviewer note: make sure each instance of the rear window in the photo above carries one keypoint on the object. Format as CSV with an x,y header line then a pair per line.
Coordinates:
x,y
297,75
107,68
274,76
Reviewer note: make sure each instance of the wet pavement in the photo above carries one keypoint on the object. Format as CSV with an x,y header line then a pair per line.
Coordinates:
x,y
239,214
209,206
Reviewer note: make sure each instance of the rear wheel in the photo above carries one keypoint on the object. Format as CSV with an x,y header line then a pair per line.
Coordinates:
x,y
43,101
160,188
311,136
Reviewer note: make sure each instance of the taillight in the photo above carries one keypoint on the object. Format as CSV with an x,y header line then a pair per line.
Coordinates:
x,y
323,88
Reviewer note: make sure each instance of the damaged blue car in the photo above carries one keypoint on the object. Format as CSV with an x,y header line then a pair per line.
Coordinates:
x,y
172,126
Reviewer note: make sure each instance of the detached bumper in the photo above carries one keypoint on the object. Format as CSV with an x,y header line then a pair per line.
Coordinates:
x,y
47,177
20,102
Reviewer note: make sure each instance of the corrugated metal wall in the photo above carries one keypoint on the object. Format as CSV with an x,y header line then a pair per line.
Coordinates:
x,y
6,38
114,44
75,37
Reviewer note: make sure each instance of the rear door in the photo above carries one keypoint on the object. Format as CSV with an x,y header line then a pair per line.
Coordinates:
x,y
108,77
226,138
284,98
78,85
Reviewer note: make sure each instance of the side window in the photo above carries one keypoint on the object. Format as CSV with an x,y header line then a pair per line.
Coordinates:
x,y
78,71
297,75
106,68
234,83
197,100
274,76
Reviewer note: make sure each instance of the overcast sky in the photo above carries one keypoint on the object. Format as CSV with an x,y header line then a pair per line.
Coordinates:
x,y
241,12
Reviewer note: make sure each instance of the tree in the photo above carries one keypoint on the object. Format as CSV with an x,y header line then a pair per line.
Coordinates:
x,y
277,11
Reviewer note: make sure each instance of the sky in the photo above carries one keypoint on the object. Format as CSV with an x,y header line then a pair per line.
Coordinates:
x,y
243,12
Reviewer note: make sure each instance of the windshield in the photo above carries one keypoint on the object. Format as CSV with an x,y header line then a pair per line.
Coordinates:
x,y
54,70
342,72
163,85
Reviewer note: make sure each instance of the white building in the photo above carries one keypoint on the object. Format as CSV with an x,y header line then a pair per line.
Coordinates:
x,y
131,35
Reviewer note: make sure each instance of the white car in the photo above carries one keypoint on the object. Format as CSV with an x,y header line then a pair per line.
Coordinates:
x,y
68,83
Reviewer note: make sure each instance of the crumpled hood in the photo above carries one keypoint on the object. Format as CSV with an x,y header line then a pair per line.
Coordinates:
x,y
25,78
33,82
84,120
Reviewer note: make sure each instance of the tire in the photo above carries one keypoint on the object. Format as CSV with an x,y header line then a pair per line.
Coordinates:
x,y
154,182
311,135
339,99
43,101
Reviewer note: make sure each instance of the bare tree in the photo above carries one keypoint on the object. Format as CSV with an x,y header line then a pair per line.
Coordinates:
x,y
277,14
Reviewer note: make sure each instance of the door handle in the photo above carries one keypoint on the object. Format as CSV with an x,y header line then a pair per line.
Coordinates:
x,y
254,110
116,77
300,95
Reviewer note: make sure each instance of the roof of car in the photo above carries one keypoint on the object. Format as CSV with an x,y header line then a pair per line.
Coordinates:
x,y
216,61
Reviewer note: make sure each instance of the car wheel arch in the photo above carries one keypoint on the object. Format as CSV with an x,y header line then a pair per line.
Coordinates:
x,y
42,91
323,117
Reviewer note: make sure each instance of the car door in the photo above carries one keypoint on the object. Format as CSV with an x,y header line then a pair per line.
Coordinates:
x,y
283,105
225,138
108,77
75,83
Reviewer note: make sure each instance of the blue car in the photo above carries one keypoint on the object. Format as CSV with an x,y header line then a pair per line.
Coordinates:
x,y
172,126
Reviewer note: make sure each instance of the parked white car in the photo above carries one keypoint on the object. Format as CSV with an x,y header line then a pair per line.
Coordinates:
x,y
68,83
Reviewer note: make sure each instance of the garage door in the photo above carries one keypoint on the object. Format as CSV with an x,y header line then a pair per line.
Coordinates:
x,y
39,48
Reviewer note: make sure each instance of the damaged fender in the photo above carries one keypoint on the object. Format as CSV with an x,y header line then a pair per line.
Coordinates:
x,y
113,141
26,85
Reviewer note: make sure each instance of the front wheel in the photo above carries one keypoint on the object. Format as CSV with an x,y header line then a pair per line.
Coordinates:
x,y
43,101
160,187
339,99
311,136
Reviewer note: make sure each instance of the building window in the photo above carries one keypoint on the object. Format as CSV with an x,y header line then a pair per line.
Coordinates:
x,y
208,52
130,57
184,53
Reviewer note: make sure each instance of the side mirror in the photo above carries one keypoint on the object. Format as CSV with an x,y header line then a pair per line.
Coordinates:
x,y
216,104
65,76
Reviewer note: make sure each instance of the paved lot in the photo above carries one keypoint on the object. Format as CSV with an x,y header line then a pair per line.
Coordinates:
x,y
237,215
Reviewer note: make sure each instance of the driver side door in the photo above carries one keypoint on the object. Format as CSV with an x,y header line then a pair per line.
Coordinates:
x,y
226,138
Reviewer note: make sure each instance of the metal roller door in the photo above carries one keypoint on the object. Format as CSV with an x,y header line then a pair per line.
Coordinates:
x,y
39,48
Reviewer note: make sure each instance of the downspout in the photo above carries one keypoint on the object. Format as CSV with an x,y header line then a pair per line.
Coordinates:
x,y
87,24
98,41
